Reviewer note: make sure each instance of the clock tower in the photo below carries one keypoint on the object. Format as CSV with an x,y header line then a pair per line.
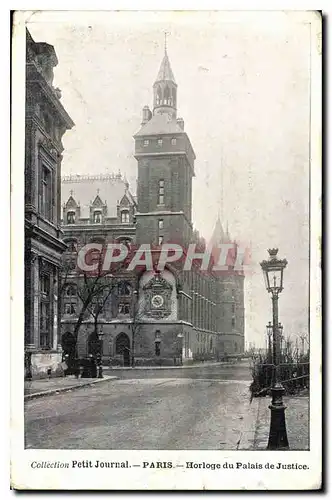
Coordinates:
x,y
165,160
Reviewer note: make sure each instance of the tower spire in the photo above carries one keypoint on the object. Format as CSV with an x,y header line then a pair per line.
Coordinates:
x,y
166,33
165,88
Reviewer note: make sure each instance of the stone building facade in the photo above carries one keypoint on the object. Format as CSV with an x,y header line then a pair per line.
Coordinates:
x,y
165,317
46,121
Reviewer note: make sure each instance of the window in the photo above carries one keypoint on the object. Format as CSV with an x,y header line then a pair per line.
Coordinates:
x,y
69,308
124,289
233,322
160,240
233,308
160,142
125,217
173,141
70,291
71,217
161,224
45,312
157,347
97,217
46,193
211,345
45,284
161,192
70,294
124,309
146,142
235,346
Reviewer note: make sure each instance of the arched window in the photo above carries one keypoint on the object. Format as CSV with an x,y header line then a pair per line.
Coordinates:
x,y
71,290
167,96
124,240
71,217
158,96
173,97
71,245
97,219
125,217
124,289
70,299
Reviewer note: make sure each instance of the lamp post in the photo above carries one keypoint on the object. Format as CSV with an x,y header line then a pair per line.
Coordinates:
x,y
100,356
269,331
281,337
181,336
273,270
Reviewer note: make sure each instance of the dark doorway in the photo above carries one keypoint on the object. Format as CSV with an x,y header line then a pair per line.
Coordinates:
x,y
68,344
122,346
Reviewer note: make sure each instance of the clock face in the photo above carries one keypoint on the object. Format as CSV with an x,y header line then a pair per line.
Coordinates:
x,y
157,301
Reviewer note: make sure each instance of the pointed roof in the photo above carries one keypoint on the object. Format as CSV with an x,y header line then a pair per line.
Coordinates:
x,y
219,235
165,70
160,124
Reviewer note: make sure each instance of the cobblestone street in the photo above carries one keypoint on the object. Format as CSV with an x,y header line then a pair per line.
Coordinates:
x,y
198,408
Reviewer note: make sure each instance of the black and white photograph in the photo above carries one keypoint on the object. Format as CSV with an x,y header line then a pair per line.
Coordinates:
x,y
168,165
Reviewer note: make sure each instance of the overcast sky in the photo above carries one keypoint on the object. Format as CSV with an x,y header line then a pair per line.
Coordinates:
x,y
243,91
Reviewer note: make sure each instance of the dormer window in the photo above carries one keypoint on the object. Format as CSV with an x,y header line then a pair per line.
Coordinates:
x,y
97,217
125,217
71,217
146,142
160,142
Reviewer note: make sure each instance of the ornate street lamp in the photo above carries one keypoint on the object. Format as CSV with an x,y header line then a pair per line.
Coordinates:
x,y
273,270
100,356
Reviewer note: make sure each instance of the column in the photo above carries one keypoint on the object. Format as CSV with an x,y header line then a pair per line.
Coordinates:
x,y
35,304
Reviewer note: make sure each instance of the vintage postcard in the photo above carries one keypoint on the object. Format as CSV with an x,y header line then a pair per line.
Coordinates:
x,y
166,235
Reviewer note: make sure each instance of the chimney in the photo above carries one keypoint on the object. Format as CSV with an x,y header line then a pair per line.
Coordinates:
x,y
180,122
146,115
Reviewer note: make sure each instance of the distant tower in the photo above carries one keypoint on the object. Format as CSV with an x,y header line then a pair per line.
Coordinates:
x,y
165,167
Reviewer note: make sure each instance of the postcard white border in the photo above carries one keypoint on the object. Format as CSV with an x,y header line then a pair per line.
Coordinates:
x,y
24,477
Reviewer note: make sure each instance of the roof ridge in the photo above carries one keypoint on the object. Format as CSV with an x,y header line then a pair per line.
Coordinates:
x,y
89,177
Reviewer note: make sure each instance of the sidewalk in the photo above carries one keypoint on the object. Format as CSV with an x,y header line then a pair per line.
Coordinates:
x,y
46,387
257,425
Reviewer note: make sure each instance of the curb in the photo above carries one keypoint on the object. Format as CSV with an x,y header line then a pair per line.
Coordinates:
x,y
50,392
184,367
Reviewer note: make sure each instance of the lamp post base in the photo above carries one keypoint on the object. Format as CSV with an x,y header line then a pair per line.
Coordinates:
x,y
278,434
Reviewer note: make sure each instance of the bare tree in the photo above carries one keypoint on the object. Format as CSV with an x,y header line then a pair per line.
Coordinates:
x,y
92,289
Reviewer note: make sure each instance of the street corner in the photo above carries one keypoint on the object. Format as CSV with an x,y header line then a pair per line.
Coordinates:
x,y
38,388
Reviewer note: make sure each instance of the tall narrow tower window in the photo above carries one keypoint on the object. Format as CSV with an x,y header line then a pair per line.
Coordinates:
x,y
158,97
167,97
71,217
161,192
97,217
125,217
